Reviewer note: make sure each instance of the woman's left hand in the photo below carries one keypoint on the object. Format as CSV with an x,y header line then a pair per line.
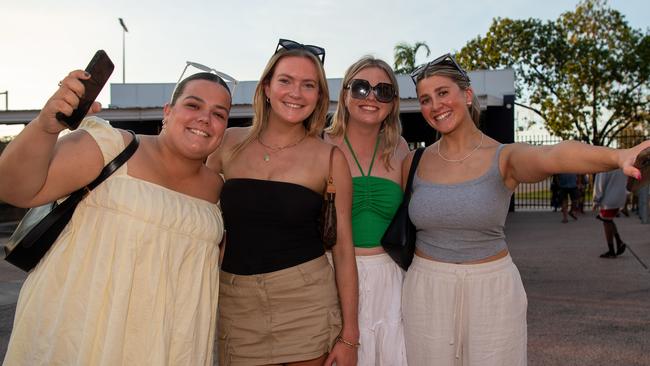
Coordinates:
x,y
342,355
628,156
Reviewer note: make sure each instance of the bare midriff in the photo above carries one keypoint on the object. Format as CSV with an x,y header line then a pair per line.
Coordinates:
x,y
491,258
369,251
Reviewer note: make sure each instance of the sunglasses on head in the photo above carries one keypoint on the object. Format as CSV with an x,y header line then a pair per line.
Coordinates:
x,y
360,89
226,80
288,44
446,59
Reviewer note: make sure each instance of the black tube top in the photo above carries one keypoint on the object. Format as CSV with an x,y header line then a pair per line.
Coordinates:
x,y
270,225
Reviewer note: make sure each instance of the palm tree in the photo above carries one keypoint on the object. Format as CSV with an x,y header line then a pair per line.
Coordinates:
x,y
405,56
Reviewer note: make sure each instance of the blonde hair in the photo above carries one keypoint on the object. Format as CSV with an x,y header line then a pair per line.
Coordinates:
x,y
391,129
460,79
314,124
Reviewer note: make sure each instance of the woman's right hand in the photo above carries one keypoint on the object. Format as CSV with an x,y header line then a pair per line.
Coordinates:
x,y
65,100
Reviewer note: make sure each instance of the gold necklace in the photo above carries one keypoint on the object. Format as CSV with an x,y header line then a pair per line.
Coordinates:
x,y
464,157
275,149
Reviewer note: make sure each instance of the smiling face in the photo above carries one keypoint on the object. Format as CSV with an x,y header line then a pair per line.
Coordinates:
x,y
293,89
196,122
444,105
369,110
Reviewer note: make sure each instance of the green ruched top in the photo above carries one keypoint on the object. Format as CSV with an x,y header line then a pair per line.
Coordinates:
x,y
374,202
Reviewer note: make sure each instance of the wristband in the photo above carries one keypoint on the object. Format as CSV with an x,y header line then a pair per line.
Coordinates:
x,y
347,343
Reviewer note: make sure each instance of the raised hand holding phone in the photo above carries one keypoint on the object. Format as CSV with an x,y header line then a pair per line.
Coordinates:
x,y
100,69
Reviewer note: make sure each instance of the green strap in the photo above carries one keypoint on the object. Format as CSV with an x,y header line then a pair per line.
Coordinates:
x,y
374,153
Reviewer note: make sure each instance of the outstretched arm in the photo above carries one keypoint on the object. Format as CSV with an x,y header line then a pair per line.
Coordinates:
x,y
36,167
523,163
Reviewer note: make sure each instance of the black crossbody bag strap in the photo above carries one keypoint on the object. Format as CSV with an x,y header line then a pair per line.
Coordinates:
x,y
414,166
115,164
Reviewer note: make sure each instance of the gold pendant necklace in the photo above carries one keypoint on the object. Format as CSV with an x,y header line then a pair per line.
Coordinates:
x,y
276,149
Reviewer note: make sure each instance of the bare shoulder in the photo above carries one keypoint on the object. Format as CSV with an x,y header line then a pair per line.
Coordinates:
x,y
402,149
510,150
235,135
322,150
76,142
321,146
332,139
231,137
408,158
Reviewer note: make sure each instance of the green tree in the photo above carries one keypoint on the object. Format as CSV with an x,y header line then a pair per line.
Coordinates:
x,y
405,56
585,74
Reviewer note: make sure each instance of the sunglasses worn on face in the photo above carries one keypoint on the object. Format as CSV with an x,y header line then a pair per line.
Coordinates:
x,y
446,59
360,89
288,44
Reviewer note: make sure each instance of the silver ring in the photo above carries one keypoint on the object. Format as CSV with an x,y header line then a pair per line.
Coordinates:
x,y
60,83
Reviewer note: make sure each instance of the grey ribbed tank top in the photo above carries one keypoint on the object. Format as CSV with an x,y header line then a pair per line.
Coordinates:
x,y
464,221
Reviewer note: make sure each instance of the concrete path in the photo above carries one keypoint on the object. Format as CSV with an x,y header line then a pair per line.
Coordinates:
x,y
583,310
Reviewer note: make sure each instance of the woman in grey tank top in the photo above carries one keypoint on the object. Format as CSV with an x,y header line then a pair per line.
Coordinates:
x,y
463,301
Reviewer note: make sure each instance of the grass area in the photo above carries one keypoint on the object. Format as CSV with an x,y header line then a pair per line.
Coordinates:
x,y
533,195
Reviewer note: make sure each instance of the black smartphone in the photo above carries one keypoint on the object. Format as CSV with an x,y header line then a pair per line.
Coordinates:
x,y
100,69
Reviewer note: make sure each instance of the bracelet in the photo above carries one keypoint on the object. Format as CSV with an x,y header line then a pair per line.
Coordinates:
x,y
347,343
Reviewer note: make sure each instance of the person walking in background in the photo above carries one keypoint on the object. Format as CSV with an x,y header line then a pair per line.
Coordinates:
x,y
366,128
280,302
581,182
555,194
568,190
609,197
463,300
133,278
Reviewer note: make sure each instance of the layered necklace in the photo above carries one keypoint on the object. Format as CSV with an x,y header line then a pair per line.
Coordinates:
x,y
275,149
464,157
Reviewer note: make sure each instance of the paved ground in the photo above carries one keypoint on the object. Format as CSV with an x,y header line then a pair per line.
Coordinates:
x,y
582,310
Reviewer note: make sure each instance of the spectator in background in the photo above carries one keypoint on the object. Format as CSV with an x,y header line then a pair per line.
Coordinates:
x,y
582,180
610,196
555,194
568,183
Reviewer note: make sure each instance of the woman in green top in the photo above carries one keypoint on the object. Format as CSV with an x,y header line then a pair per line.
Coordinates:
x,y
367,129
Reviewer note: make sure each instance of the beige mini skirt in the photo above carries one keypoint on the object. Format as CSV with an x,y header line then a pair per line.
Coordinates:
x,y
278,317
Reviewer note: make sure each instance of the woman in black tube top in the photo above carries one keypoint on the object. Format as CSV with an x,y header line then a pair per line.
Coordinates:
x,y
279,297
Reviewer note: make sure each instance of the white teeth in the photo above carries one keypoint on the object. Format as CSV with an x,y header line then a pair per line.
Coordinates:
x,y
442,116
198,132
369,108
291,105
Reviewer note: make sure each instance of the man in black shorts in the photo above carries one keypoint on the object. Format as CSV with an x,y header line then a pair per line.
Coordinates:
x,y
568,184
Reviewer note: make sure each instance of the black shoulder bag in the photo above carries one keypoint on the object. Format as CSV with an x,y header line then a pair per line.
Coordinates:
x,y
399,239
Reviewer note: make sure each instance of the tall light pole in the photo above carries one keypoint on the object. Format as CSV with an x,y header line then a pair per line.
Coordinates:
x,y
124,31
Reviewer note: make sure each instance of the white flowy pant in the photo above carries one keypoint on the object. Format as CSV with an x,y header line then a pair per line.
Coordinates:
x,y
464,314
380,314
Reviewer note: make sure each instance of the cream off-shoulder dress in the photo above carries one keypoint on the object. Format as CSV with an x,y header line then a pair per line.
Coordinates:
x,y
132,280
